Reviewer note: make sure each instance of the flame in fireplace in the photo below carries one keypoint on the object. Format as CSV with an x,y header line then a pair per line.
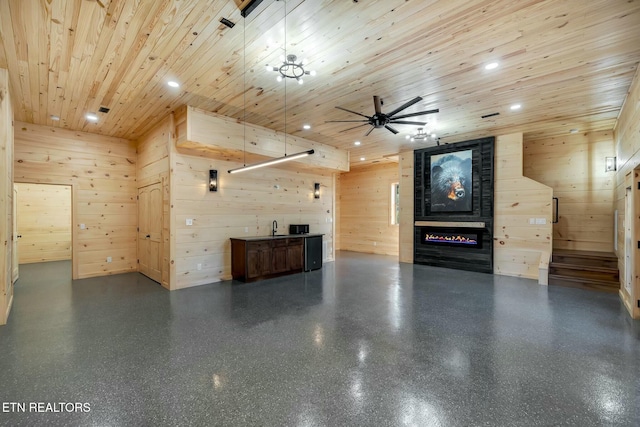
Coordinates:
x,y
454,238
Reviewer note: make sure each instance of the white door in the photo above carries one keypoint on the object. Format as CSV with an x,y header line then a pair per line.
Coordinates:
x,y
628,241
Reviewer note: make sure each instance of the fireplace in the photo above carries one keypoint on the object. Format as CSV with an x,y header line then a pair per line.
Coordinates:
x,y
452,236
462,245
454,230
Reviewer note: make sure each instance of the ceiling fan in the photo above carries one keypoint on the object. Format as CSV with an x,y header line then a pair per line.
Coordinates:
x,y
382,120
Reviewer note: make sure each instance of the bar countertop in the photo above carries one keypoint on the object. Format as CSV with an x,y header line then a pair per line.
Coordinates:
x,y
277,236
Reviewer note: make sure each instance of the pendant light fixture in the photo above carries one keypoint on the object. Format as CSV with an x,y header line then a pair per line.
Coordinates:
x,y
291,68
284,158
273,161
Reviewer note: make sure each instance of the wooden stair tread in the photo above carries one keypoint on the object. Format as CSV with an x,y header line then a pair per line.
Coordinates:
x,y
582,267
591,270
582,283
585,254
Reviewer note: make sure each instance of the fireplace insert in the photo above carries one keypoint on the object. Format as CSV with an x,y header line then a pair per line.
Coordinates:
x,y
461,237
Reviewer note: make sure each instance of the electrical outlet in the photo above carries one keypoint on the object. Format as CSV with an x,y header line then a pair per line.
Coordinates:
x,y
83,227
199,266
246,229
532,221
189,221
109,259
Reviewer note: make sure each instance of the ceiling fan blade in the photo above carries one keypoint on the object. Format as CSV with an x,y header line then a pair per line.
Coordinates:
x,y
345,121
391,129
349,111
419,113
355,127
369,131
405,105
405,122
377,104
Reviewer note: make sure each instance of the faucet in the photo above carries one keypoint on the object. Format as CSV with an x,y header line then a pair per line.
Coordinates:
x,y
274,227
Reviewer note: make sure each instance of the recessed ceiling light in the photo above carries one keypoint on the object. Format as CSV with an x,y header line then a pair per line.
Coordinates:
x,y
92,117
54,117
362,159
306,127
491,66
173,84
356,143
516,106
573,130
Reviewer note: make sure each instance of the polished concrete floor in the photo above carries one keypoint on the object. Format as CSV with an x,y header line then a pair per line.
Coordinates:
x,y
363,342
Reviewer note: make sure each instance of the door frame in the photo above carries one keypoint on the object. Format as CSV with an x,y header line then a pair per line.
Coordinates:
x,y
628,242
75,268
15,265
141,185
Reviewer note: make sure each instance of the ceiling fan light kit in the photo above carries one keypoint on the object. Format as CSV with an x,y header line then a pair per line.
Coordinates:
x,y
421,135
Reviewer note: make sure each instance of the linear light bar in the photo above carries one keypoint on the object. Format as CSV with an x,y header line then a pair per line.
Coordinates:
x,y
272,161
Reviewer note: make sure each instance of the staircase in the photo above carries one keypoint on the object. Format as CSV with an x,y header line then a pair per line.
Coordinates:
x,y
596,271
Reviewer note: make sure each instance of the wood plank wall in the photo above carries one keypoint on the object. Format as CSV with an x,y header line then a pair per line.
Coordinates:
x,y
102,173
627,143
153,167
244,205
226,138
338,211
518,245
6,197
44,222
407,183
573,166
365,208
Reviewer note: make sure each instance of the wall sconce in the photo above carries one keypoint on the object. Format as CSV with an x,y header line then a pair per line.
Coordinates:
x,y
213,180
610,164
316,190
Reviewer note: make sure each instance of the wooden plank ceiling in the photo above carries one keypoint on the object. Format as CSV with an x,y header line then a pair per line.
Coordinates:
x,y
568,63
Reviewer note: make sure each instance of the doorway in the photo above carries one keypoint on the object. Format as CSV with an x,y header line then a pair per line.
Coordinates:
x,y
150,231
43,222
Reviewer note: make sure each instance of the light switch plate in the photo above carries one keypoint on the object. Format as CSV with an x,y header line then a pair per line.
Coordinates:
x,y
189,221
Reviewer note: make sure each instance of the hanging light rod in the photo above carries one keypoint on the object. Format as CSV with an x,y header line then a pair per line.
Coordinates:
x,y
250,7
272,161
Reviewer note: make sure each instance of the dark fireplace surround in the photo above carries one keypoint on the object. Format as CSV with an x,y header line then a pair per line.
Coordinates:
x,y
448,233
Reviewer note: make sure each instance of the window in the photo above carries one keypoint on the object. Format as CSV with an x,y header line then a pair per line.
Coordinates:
x,y
395,203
